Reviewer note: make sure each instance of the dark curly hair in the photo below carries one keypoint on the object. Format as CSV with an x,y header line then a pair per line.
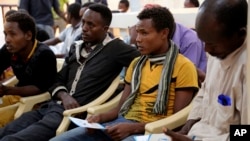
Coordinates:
x,y
74,9
161,17
25,22
195,3
125,2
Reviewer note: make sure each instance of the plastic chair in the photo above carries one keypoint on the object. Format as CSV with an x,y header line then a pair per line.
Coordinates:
x,y
27,103
171,122
176,120
106,106
101,99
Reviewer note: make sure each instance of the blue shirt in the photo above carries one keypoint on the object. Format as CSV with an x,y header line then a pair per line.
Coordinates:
x,y
40,10
190,46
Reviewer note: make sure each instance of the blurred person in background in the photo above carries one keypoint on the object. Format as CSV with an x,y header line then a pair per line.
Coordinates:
x,y
69,34
191,3
41,11
59,23
104,2
123,6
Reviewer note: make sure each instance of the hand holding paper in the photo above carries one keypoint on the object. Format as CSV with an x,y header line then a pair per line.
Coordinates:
x,y
86,124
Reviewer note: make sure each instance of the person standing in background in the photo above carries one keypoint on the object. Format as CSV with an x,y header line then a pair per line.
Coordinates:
x,y
104,2
41,11
191,3
69,34
123,6
58,21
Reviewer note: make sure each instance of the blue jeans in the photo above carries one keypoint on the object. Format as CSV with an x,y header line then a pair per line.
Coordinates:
x,y
80,134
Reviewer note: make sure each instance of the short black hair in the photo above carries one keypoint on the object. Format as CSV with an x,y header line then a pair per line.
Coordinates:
x,y
231,14
195,3
125,2
10,12
25,22
161,17
87,4
104,12
73,10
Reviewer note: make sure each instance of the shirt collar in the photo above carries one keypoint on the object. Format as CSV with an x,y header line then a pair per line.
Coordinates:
x,y
107,40
77,25
228,61
104,42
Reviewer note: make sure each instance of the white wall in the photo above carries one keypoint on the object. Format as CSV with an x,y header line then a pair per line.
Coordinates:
x,y
1,30
1,18
136,5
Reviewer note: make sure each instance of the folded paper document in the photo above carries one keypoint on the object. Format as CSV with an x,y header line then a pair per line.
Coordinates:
x,y
153,137
85,123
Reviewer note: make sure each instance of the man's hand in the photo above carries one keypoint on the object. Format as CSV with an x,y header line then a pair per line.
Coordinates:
x,y
68,101
188,125
119,131
201,75
94,118
176,136
2,89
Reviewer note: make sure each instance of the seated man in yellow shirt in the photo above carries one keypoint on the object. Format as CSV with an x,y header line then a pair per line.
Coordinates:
x,y
158,84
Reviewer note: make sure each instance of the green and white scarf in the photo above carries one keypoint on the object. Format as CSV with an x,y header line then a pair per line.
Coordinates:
x,y
164,84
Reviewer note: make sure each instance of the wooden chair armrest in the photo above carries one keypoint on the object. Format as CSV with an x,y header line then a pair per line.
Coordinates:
x,y
171,122
27,103
104,107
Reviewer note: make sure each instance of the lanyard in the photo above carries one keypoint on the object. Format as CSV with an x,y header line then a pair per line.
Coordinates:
x,y
32,51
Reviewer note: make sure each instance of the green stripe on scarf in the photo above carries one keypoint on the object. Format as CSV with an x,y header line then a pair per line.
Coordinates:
x,y
164,84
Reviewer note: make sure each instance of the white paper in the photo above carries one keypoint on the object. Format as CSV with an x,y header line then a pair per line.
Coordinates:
x,y
141,138
153,137
86,124
159,137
